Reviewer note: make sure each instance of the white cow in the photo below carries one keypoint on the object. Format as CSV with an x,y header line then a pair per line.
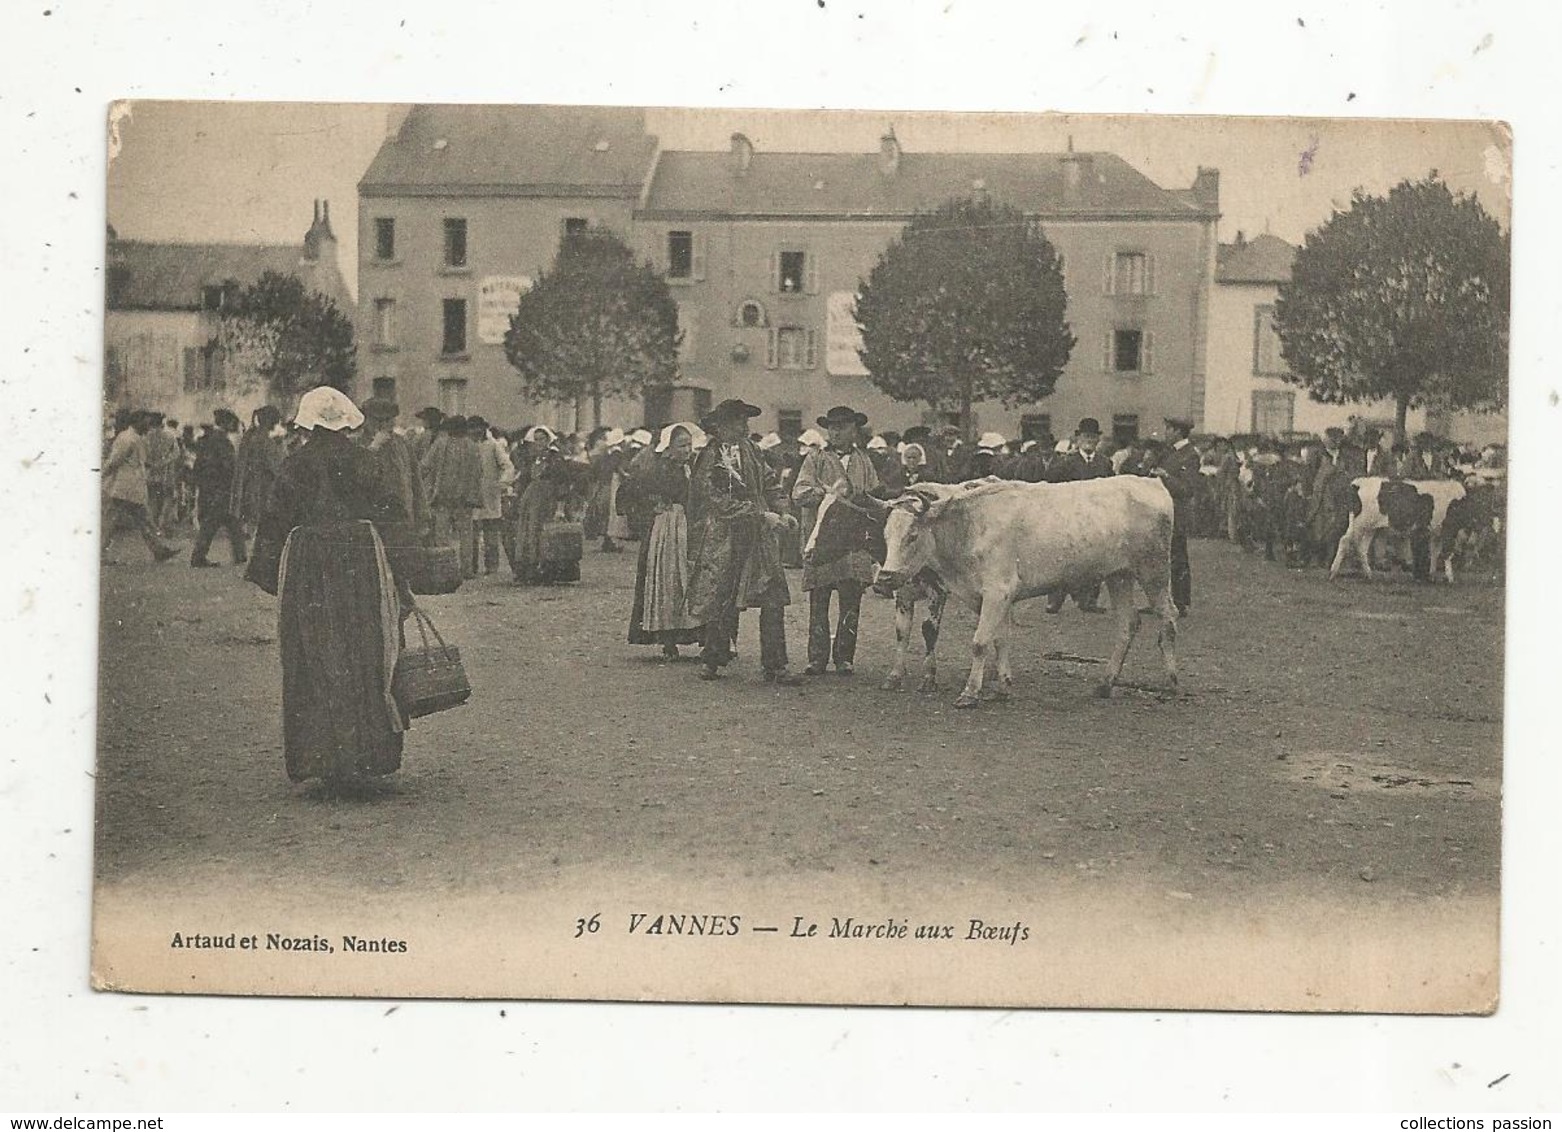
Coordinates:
x,y
1000,543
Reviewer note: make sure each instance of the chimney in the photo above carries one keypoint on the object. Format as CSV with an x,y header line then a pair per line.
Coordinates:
x,y
319,232
742,154
1241,238
1206,188
1077,171
889,153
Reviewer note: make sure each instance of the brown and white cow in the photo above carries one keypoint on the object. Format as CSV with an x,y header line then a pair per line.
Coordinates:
x,y
997,544
1417,509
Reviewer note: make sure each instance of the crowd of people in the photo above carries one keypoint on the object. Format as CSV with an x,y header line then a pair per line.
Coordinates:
x,y
317,506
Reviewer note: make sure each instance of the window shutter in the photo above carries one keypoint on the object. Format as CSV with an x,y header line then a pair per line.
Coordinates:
x,y
772,346
811,280
812,356
1106,352
1149,274
189,368
699,255
1109,275
775,272
1147,352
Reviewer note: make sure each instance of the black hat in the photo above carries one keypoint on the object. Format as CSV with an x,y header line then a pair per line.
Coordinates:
x,y
225,419
916,432
730,409
1182,423
841,415
474,423
430,416
453,424
1089,426
380,409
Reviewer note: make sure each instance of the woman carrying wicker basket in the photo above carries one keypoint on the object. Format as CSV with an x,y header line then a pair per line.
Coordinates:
x,y
340,606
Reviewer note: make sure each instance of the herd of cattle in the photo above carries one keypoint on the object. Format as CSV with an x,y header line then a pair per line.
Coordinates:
x,y
992,543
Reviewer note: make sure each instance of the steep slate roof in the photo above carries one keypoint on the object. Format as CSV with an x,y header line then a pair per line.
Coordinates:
x,y
169,277
589,151
1266,259
854,185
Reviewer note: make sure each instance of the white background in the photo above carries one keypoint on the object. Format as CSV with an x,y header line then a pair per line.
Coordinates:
x,y
64,1048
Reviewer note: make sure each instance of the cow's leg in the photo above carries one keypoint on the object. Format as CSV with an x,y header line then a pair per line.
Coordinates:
x,y
930,628
905,615
994,616
1120,588
1005,682
1166,638
1435,550
1339,556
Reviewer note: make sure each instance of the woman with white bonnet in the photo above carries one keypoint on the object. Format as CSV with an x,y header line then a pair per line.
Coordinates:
x,y
340,607
659,481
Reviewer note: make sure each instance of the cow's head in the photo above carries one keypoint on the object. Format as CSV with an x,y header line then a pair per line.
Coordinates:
x,y
908,540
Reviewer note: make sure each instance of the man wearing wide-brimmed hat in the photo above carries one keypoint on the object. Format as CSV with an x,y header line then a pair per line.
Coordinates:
x,y
215,460
838,474
397,467
452,474
734,552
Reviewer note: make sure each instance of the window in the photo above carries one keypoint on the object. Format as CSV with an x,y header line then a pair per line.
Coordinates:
x,y
1129,273
792,347
385,387
384,322
1266,343
1034,426
792,277
1125,428
680,255
455,243
789,423
1274,412
752,313
384,238
214,297
1127,349
454,341
203,367
574,226
452,396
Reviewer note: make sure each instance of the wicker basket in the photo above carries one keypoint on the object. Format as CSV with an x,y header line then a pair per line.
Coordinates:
x,y
430,569
430,678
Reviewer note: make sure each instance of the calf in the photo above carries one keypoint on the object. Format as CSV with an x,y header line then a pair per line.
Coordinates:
x,y
1416,508
996,544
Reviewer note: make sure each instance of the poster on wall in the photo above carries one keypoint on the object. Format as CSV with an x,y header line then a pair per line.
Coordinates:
x,y
498,296
843,337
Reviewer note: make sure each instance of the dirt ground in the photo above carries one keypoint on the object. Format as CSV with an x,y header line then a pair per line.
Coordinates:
x,y
1336,741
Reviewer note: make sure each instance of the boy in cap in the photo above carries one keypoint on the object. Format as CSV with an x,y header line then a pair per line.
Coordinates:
x,y
734,552
452,475
397,469
840,471
1178,468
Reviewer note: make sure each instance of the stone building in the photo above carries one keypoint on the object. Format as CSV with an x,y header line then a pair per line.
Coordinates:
x,y
464,205
163,304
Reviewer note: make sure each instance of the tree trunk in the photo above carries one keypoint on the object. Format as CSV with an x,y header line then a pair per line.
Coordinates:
x,y
1401,409
965,411
596,404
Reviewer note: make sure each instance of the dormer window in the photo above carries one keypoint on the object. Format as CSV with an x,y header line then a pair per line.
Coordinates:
x,y
215,296
752,313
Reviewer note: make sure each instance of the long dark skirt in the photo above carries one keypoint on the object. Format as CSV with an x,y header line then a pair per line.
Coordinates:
x,y
666,621
338,629
539,504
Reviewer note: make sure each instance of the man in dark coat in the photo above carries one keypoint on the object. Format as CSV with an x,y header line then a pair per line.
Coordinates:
x,y
1178,468
735,516
1084,461
400,479
215,460
1329,500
